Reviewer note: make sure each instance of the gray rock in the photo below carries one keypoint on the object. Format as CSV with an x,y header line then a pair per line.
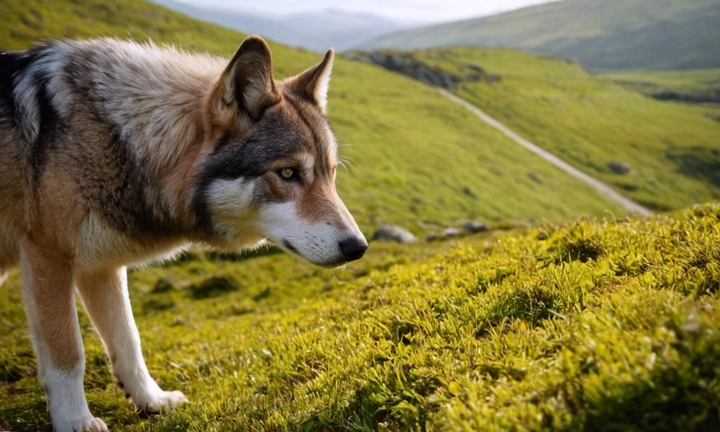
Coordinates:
x,y
451,232
476,226
619,167
394,233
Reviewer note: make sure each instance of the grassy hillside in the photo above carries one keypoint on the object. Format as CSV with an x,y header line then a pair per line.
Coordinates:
x,y
600,34
414,155
571,326
579,326
672,150
694,86
700,79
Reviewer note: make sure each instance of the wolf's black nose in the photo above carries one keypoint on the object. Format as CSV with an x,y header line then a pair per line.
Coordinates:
x,y
353,248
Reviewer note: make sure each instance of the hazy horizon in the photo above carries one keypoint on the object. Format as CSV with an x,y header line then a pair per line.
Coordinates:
x,y
424,11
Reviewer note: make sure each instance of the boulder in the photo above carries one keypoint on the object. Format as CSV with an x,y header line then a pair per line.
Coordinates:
x,y
619,167
394,233
476,226
451,232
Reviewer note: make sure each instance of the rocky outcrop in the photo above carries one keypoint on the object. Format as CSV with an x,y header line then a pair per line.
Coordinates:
x,y
475,73
406,64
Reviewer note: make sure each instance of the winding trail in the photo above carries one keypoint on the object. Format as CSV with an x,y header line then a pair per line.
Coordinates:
x,y
628,204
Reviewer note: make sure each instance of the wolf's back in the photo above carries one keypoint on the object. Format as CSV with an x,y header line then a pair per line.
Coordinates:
x,y
90,126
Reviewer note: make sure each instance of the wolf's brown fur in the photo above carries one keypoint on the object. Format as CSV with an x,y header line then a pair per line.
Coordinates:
x,y
114,153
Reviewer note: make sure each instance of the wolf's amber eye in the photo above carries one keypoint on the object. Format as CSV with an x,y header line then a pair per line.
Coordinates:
x,y
288,173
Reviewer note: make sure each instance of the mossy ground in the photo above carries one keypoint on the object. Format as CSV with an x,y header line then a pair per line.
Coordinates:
x,y
593,325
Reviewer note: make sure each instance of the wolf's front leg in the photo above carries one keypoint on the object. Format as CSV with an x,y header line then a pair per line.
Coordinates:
x,y
49,300
105,296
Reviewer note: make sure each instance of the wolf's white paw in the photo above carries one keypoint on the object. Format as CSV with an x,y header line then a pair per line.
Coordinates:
x,y
85,424
160,400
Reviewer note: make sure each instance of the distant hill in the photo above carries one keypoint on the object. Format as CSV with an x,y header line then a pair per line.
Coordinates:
x,y
662,155
599,34
248,23
316,31
338,29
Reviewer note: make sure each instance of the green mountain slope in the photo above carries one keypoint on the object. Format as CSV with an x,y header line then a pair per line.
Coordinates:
x,y
600,34
693,86
672,151
414,156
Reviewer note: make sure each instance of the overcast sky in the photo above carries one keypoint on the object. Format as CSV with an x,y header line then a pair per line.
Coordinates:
x,y
412,10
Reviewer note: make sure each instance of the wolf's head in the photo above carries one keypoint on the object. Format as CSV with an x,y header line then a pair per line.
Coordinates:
x,y
271,172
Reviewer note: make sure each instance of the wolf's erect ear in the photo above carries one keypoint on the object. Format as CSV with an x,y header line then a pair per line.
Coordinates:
x,y
248,79
313,83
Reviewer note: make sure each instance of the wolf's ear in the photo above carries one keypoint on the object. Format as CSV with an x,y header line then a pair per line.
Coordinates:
x,y
248,79
313,83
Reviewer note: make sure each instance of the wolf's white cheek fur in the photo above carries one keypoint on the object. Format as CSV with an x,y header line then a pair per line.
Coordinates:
x,y
317,242
230,203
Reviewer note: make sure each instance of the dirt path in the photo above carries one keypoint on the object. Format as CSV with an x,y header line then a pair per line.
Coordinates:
x,y
628,204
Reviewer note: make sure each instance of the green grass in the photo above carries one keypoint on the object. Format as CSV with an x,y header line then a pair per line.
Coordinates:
x,y
700,79
673,149
693,85
418,157
601,35
587,325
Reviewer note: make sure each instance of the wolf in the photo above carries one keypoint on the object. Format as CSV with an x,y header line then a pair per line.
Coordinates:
x,y
114,153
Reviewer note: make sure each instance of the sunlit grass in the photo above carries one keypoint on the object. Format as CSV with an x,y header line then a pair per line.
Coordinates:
x,y
586,325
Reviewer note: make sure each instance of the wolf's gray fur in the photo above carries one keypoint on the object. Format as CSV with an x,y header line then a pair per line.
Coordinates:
x,y
114,153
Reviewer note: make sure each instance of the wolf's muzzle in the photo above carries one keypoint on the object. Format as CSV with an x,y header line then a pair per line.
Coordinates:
x,y
353,248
